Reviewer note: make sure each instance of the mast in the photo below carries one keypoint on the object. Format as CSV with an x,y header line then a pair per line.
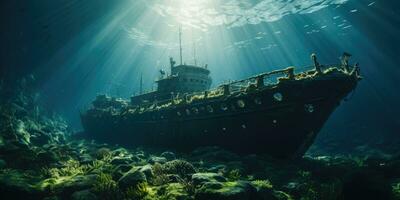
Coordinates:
x,y
180,43
141,83
194,49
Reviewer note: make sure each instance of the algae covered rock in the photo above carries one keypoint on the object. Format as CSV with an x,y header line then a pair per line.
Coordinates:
x,y
201,178
239,190
69,184
156,159
132,178
181,168
83,195
168,155
147,170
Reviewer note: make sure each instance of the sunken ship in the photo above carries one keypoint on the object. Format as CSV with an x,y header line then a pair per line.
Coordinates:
x,y
277,113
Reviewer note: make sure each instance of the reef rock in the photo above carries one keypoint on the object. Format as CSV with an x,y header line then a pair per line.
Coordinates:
x,y
240,190
201,178
132,178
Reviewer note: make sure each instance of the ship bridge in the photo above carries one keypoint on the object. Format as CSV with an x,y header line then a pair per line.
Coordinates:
x,y
185,79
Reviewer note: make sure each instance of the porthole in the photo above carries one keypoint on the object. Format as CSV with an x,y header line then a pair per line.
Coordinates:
x,y
309,108
243,126
241,103
278,96
187,111
258,101
210,109
178,113
224,107
274,121
195,110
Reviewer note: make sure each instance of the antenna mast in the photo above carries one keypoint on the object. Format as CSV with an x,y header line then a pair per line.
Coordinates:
x,y
180,43
194,53
141,83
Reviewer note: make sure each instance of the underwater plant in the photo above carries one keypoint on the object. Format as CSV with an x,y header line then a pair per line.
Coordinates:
x,y
262,184
188,186
137,192
396,190
106,187
234,175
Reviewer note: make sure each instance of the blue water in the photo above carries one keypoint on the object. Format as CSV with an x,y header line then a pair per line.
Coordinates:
x,y
78,49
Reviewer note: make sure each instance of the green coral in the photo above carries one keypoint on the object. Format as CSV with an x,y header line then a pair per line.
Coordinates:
x,y
181,168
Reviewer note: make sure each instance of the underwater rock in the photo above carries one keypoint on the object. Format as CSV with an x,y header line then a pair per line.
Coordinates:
x,y
102,153
147,170
120,160
168,155
86,159
240,190
83,195
67,185
217,168
181,168
201,178
132,178
156,159
17,185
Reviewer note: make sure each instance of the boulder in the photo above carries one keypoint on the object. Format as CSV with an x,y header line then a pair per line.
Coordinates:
x,y
201,178
156,159
83,195
148,171
132,178
121,160
240,190
75,183
168,155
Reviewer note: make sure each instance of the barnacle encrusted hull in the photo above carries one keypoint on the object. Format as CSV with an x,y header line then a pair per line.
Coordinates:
x,y
281,119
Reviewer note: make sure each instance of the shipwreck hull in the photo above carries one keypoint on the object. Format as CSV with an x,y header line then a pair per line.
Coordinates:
x,y
281,121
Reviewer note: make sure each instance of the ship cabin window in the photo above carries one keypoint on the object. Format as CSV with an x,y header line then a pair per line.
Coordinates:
x,y
187,111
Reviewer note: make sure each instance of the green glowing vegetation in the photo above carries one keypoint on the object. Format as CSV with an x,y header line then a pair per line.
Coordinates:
x,y
106,187
234,174
396,190
265,184
138,192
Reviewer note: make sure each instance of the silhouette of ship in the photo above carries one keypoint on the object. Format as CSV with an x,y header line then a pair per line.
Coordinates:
x,y
278,112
